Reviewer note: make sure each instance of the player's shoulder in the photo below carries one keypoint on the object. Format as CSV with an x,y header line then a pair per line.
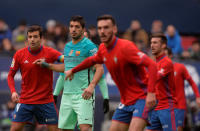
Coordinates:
x,y
167,61
21,51
127,43
88,43
179,65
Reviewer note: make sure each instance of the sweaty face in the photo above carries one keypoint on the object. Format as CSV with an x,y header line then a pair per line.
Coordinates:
x,y
106,30
34,40
76,30
156,46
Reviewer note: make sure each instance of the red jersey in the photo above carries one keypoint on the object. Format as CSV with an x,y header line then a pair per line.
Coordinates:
x,y
126,66
36,86
181,74
165,86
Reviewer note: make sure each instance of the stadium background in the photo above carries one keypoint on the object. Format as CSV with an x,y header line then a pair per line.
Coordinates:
x,y
183,14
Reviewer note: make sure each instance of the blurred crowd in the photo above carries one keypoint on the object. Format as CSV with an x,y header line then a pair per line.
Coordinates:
x,y
56,35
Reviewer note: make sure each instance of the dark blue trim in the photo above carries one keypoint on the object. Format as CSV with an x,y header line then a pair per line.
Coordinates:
x,y
29,49
161,58
114,44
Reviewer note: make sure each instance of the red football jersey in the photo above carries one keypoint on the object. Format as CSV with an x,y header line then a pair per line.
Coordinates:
x,y
36,86
181,74
165,87
126,65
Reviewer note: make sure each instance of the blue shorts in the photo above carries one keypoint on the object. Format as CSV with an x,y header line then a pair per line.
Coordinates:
x,y
124,113
44,113
163,120
180,117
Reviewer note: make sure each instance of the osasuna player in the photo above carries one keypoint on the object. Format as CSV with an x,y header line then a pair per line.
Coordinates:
x,y
36,97
126,65
163,116
181,74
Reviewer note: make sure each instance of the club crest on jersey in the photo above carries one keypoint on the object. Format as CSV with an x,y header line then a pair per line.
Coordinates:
x,y
175,73
104,59
115,59
70,53
26,62
13,63
78,53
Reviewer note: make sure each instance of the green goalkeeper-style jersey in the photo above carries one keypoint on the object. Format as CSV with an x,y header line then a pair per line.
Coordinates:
x,y
74,54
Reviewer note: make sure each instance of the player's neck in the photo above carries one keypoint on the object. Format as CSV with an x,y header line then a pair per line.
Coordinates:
x,y
75,41
110,43
160,55
35,50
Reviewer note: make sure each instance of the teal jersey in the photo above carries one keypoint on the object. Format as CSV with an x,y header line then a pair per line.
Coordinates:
x,y
74,54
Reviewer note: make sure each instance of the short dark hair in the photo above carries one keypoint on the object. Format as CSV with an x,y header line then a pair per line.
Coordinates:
x,y
79,19
159,35
107,17
169,51
34,28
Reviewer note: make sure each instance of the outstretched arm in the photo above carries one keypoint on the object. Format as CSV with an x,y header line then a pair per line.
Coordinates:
x,y
97,76
54,67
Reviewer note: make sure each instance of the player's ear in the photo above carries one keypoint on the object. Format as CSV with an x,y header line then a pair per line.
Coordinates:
x,y
164,46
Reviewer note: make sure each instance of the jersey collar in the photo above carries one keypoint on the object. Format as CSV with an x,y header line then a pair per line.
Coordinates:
x,y
160,57
35,52
113,44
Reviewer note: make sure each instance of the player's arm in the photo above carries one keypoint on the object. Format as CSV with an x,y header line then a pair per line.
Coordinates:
x,y
136,57
11,83
192,83
51,66
97,76
59,86
104,91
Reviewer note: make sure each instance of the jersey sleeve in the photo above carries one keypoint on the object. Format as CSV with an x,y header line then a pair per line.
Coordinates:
x,y
92,50
56,55
59,85
13,69
191,81
103,88
186,75
165,69
132,54
135,56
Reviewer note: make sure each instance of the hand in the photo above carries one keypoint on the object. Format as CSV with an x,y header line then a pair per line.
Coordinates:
x,y
39,61
15,97
69,74
105,106
150,100
198,101
55,99
88,91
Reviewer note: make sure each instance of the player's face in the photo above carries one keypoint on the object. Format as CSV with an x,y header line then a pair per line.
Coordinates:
x,y
106,30
34,40
76,30
156,46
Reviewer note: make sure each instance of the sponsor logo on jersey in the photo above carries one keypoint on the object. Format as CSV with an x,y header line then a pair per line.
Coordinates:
x,y
93,51
78,53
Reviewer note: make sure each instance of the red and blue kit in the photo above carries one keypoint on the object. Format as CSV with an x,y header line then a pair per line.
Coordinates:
x,y
126,65
163,116
165,87
36,86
